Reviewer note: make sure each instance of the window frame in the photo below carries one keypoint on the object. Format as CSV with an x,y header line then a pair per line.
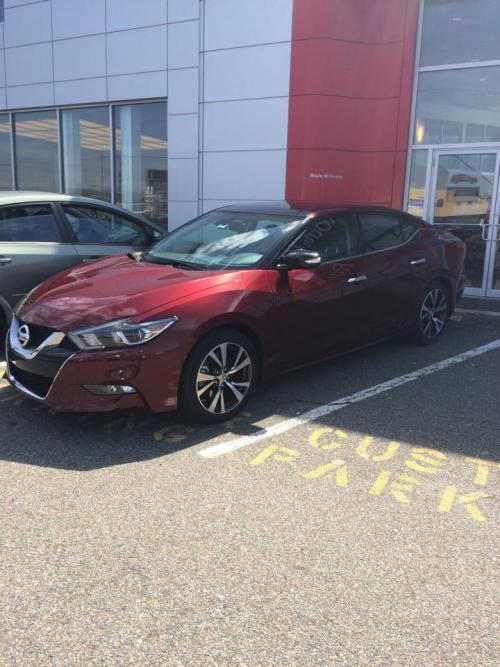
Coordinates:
x,y
323,216
395,214
63,232
107,209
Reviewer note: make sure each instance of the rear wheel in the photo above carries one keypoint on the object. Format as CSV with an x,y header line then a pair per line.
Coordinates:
x,y
218,377
433,312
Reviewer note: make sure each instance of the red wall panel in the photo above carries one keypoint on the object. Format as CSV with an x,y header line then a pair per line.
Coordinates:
x,y
350,98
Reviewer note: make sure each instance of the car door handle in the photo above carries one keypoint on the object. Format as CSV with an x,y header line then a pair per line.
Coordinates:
x,y
416,262
356,279
5,260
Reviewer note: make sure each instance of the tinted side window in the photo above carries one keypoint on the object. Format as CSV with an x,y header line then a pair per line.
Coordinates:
x,y
95,225
380,231
409,227
334,237
25,224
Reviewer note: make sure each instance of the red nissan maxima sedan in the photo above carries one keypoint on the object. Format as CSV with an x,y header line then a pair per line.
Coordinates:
x,y
228,299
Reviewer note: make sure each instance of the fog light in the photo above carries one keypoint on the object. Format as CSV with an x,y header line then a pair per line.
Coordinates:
x,y
109,389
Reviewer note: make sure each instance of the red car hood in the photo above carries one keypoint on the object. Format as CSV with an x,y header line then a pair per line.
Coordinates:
x,y
113,288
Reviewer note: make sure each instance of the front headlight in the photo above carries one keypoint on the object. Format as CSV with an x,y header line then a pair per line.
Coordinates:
x,y
120,333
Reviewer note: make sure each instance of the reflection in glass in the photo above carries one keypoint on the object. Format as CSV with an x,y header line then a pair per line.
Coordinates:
x,y
86,152
463,197
418,175
5,161
454,106
36,150
458,31
141,159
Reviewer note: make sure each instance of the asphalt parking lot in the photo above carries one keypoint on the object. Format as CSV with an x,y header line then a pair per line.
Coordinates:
x,y
360,533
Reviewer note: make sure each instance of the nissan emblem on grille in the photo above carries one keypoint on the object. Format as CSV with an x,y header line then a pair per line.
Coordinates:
x,y
23,335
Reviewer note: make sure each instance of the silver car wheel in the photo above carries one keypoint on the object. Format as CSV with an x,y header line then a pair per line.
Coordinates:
x,y
433,313
224,378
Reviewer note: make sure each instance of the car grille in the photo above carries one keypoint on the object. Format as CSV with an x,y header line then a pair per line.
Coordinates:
x,y
37,384
37,374
37,333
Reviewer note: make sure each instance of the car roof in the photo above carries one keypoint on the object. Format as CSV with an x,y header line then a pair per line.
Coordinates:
x,y
303,208
32,196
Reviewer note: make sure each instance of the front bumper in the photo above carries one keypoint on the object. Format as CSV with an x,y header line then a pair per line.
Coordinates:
x,y
56,376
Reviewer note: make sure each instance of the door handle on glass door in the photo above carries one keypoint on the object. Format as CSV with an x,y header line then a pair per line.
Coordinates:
x,y
356,279
5,260
416,262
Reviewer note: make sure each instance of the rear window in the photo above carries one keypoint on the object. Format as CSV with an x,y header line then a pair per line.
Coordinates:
x,y
28,224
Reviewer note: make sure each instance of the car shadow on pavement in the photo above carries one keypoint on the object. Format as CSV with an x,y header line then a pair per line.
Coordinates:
x,y
454,411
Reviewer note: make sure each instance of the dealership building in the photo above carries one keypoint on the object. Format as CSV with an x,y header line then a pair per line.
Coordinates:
x,y
175,107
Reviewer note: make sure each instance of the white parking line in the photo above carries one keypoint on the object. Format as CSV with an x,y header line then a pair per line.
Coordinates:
x,y
467,311
327,408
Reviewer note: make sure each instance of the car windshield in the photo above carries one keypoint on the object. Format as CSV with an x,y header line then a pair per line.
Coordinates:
x,y
224,239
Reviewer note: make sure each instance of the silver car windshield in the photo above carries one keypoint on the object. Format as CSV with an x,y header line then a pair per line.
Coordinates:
x,y
224,239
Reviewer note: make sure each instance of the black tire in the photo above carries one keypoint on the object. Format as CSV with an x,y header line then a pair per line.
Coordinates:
x,y
433,311
3,330
198,397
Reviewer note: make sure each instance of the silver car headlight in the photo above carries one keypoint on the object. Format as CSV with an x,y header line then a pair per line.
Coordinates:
x,y
119,333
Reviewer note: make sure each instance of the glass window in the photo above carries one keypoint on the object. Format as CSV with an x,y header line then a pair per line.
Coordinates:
x,y
458,105
224,239
333,238
380,231
95,225
36,146
86,152
5,160
457,31
418,177
28,224
141,159
408,226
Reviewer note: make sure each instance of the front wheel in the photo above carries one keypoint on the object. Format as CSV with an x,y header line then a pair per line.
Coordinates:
x,y
218,377
433,311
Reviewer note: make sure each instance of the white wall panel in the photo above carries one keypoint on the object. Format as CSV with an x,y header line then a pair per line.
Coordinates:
x,y
142,50
183,136
246,125
183,44
2,70
183,10
183,91
247,22
125,14
28,24
80,91
246,175
29,64
180,212
74,18
257,71
80,57
137,86
183,179
26,97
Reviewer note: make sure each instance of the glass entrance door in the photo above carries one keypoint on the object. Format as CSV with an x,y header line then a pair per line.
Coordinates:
x,y
464,197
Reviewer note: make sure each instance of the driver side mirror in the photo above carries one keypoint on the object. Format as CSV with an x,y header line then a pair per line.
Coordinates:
x,y
157,235
298,259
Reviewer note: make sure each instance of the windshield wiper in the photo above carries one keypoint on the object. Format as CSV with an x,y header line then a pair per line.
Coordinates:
x,y
176,263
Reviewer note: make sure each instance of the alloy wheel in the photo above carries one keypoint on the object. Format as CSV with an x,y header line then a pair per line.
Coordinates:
x,y
224,378
433,313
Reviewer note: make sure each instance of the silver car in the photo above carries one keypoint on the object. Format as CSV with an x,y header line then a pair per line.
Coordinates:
x,y
43,233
